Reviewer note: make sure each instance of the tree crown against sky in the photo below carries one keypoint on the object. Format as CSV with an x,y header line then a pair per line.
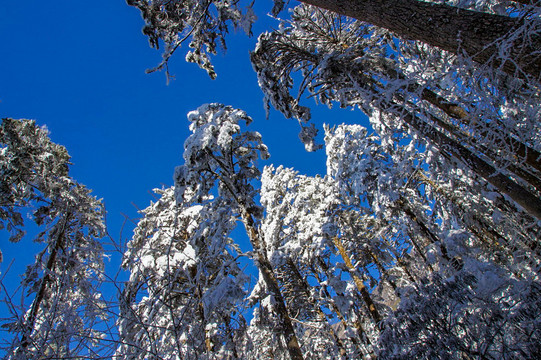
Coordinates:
x,y
476,29
439,208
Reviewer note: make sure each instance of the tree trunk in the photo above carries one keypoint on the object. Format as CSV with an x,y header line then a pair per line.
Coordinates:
x,y
357,280
361,334
428,234
269,277
523,152
446,27
528,201
462,137
321,317
47,278
398,258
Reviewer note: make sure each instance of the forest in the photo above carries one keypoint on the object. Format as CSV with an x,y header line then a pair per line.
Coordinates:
x,y
421,241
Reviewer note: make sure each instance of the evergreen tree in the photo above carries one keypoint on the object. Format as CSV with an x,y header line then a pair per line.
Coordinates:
x,y
347,63
500,41
219,157
185,283
61,307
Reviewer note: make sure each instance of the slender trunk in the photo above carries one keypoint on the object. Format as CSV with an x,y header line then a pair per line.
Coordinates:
x,y
361,334
483,230
420,251
44,285
446,27
263,263
357,280
449,147
383,272
463,137
301,282
271,282
433,238
399,260
522,152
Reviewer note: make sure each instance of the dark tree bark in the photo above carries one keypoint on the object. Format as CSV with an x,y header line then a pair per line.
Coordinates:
x,y
449,147
446,27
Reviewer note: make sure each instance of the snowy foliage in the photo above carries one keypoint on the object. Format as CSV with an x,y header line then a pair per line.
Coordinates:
x,y
185,283
204,23
218,150
348,261
480,315
61,308
296,214
485,121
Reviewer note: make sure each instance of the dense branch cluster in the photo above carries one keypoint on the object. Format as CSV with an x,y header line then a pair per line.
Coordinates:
x,y
204,23
375,259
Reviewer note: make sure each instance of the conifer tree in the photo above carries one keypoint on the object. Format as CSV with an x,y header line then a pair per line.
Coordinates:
x,y
346,63
61,307
219,157
185,283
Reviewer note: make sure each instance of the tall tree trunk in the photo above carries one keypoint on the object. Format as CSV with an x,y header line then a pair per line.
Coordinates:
x,y
44,285
384,275
359,330
398,258
303,286
446,27
449,147
357,280
271,282
457,134
424,229
523,152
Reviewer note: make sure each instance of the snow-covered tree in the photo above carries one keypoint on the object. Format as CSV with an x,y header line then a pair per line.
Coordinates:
x,y
301,245
351,64
488,37
61,308
186,289
421,241
469,305
219,154
371,260
217,178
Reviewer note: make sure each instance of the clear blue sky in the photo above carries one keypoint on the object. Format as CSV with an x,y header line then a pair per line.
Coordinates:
x,y
78,67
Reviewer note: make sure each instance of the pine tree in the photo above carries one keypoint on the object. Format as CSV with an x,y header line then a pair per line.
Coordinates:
x,y
500,41
185,288
219,156
338,68
61,309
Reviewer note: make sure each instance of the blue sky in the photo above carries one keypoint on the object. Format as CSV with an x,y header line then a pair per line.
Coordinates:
x,y
78,67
